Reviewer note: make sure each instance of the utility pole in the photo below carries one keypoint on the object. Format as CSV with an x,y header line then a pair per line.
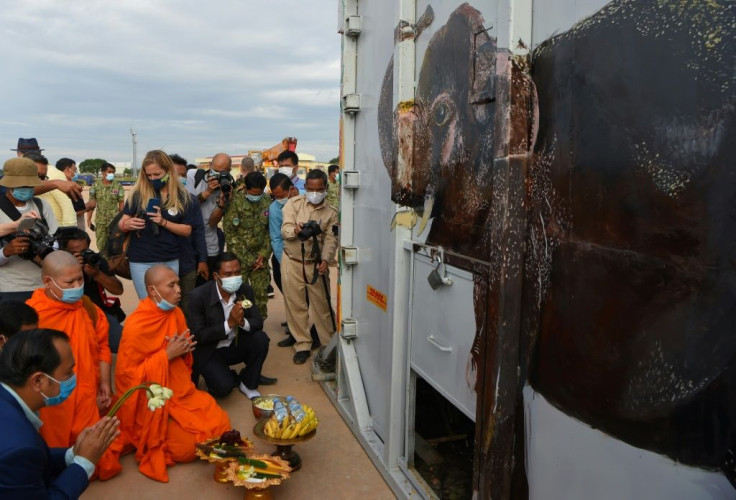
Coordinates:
x,y
134,166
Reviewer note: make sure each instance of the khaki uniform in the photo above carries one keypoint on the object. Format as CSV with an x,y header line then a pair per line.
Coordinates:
x,y
246,233
298,210
108,199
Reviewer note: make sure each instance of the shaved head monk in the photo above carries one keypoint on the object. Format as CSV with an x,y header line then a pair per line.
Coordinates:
x,y
60,305
156,347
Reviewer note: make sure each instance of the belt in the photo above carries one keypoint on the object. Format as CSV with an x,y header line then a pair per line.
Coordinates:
x,y
308,261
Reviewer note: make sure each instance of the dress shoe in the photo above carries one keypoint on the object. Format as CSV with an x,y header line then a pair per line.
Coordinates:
x,y
284,323
301,357
264,380
287,342
316,344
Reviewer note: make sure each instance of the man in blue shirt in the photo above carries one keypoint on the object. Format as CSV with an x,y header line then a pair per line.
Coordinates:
x,y
282,189
289,166
36,370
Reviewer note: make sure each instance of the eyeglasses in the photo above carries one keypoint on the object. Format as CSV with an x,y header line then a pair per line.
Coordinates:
x,y
43,177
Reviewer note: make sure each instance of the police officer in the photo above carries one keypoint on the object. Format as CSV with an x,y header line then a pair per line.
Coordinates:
x,y
304,298
246,233
108,197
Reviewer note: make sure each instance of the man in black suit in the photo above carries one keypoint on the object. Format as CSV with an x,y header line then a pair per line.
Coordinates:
x,y
37,369
228,332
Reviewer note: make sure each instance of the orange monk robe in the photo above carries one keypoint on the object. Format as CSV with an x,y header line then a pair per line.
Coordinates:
x,y
89,342
165,436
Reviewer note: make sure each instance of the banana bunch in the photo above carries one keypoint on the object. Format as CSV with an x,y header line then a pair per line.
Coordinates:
x,y
291,420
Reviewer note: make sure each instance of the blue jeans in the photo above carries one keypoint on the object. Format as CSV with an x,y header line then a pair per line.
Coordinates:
x,y
138,271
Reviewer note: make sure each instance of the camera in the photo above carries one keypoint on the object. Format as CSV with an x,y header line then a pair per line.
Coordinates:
x,y
309,229
91,258
225,179
40,242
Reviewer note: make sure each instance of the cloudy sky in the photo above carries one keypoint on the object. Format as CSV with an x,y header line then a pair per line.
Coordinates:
x,y
191,77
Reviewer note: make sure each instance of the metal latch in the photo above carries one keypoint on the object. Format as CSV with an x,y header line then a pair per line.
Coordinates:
x,y
349,329
353,26
349,255
351,103
350,179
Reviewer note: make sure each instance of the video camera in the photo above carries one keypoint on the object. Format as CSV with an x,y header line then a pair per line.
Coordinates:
x,y
225,180
310,229
40,242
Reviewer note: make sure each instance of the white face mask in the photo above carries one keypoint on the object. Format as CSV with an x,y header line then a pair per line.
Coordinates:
x,y
286,170
315,197
110,177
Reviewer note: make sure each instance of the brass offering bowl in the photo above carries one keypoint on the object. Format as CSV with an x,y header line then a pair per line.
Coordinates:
x,y
263,413
221,463
257,489
283,446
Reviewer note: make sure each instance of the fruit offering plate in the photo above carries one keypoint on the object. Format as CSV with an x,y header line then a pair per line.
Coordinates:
x,y
214,451
276,471
259,431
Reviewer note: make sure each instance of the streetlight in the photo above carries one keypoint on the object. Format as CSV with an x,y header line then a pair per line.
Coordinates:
x,y
134,167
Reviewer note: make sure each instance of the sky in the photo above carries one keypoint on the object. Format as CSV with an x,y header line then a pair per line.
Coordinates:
x,y
190,77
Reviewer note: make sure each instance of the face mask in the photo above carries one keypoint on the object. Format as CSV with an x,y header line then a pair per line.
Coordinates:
x,y
110,177
164,305
183,181
232,284
75,177
65,389
286,170
158,184
315,198
69,295
282,201
254,198
23,194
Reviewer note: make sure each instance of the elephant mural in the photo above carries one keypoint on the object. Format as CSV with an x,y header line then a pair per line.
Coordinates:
x,y
629,290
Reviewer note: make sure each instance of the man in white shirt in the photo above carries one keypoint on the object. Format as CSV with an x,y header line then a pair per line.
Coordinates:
x,y
19,263
228,327
206,187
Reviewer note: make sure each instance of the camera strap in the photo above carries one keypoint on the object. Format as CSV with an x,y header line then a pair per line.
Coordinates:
x,y
315,273
12,212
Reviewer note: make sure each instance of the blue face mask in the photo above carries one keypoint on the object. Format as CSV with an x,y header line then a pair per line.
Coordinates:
x,y
66,387
282,201
158,184
254,198
110,177
69,295
75,177
183,181
23,194
232,284
164,305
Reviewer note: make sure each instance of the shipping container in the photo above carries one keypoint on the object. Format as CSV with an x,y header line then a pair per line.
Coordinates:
x,y
538,235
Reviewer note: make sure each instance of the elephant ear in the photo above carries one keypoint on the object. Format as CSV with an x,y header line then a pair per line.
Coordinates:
x,y
483,88
386,125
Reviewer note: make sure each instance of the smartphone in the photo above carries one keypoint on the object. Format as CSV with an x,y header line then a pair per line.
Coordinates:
x,y
26,224
153,202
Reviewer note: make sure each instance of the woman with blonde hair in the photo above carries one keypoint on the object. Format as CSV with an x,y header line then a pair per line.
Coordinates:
x,y
160,213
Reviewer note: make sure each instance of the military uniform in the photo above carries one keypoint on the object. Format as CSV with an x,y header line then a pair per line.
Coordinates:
x,y
293,265
333,194
246,233
108,199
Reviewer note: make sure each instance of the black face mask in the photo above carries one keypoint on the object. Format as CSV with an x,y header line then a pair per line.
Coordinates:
x,y
158,184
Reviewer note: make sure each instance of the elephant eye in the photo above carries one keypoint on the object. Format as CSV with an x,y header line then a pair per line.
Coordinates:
x,y
441,114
